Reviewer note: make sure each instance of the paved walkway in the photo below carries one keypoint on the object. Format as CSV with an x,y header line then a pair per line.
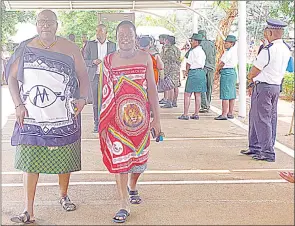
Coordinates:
x,y
195,177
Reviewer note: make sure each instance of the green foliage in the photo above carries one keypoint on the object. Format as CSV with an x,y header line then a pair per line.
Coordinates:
x,y
84,22
284,10
248,67
10,19
288,86
225,5
150,20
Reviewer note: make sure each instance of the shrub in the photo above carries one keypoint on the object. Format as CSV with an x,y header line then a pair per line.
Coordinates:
x,y
288,86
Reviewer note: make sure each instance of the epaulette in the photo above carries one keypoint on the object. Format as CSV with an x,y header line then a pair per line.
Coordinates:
x,y
268,53
289,47
268,46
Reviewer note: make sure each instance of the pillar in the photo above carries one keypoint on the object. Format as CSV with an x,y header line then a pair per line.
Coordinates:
x,y
195,17
242,58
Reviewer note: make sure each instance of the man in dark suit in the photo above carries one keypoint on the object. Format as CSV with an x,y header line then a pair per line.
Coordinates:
x,y
95,51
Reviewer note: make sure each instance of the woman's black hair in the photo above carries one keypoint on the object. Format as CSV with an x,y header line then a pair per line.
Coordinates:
x,y
171,39
126,22
144,41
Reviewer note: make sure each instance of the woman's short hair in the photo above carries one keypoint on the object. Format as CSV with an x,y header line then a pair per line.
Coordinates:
x,y
126,22
171,39
144,41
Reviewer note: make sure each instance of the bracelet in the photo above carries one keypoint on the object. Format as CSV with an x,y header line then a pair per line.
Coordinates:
x,y
19,105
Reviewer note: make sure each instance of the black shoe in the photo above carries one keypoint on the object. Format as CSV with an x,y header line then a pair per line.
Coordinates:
x,y
262,158
220,117
167,105
230,116
247,152
163,101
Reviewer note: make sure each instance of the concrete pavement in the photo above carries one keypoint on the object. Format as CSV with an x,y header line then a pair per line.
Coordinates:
x,y
195,177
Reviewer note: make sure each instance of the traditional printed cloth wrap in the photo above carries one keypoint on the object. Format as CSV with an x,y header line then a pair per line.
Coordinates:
x,y
48,84
124,116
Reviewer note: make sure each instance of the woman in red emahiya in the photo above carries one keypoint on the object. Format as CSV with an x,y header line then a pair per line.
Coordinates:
x,y
128,91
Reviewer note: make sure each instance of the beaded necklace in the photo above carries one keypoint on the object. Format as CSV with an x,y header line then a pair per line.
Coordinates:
x,y
47,47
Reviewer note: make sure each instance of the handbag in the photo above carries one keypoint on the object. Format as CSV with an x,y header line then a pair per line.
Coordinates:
x,y
165,84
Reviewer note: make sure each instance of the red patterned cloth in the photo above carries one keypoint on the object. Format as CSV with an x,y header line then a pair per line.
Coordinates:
x,y
124,117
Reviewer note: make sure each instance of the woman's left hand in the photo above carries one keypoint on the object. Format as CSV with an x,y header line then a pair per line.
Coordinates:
x,y
79,105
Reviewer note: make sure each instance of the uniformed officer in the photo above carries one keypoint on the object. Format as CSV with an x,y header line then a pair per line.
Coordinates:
x,y
210,51
265,79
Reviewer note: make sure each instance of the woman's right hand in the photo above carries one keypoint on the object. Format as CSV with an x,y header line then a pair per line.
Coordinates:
x,y
156,125
21,112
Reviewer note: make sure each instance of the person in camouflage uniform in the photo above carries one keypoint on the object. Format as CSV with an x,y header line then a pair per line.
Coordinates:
x,y
171,57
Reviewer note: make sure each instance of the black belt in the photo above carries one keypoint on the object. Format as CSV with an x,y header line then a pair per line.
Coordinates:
x,y
196,69
258,82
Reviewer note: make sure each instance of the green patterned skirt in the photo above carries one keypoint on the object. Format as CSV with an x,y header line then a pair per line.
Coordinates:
x,y
49,160
228,80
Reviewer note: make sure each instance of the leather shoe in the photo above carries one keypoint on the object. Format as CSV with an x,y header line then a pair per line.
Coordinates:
x,y
262,158
247,152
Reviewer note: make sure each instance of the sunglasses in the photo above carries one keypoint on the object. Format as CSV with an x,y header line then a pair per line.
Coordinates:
x,y
47,22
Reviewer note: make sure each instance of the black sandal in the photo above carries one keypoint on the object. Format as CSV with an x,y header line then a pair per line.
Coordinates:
x,y
66,204
134,197
121,214
23,218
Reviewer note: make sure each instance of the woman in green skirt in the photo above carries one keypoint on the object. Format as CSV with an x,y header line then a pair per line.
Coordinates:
x,y
228,78
196,81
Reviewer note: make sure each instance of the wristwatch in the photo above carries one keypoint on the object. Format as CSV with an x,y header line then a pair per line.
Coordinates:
x,y
251,85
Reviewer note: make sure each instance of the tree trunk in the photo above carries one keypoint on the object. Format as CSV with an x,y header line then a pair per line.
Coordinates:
x,y
224,26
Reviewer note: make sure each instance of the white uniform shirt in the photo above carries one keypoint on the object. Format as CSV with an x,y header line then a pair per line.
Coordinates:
x,y
272,61
102,50
230,58
196,58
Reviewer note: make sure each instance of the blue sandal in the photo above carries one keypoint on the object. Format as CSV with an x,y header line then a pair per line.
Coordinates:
x,y
121,214
183,117
194,116
134,197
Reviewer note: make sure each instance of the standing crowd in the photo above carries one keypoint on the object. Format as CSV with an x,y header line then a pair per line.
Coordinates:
x,y
49,79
